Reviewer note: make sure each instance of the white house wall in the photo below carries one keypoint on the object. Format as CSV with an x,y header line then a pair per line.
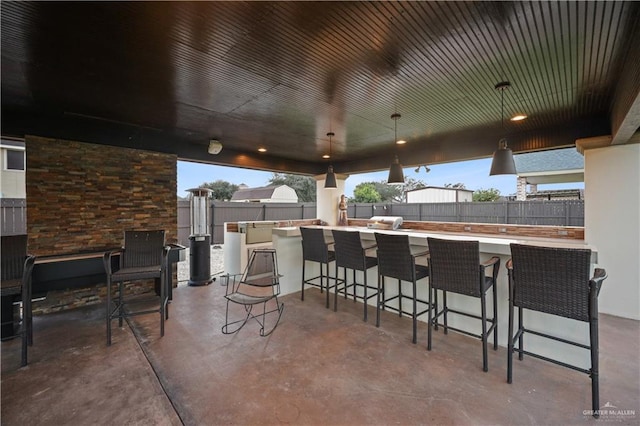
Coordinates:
x,y
13,181
438,195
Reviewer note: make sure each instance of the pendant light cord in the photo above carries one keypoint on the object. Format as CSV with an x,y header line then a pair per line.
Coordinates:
x,y
501,109
330,134
502,86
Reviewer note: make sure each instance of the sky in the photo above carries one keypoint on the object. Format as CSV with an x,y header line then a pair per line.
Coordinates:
x,y
474,174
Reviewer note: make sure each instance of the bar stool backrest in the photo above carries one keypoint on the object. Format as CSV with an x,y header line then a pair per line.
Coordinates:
x,y
14,252
349,251
394,256
142,248
455,266
552,280
314,247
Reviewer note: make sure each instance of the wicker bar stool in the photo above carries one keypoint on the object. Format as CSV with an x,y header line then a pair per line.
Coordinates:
x,y
316,249
350,254
455,267
554,281
17,268
143,257
397,260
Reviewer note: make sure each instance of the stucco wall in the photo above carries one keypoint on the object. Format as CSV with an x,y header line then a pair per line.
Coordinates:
x,y
612,224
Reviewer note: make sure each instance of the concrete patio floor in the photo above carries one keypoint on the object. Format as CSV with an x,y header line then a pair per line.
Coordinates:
x,y
319,367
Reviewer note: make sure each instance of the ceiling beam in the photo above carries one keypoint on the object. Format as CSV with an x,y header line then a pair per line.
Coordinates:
x,y
625,114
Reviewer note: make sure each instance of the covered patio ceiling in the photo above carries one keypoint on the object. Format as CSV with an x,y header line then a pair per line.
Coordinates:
x,y
171,76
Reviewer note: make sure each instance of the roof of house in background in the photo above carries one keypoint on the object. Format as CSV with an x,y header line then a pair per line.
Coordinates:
x,y
554,160
555,166
440,187
260,193
253,193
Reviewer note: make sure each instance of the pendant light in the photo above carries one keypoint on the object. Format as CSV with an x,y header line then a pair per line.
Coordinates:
x,y
396,176
330,179
502,163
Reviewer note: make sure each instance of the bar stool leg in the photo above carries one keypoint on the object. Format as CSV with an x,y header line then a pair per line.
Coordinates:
x,y
108,310
379,299
495,317
483,308
415,314
595,381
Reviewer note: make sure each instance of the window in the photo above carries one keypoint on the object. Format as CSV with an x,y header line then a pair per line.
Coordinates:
x,y
15,159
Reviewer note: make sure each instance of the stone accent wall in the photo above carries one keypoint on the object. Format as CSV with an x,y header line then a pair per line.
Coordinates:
x,y
82,197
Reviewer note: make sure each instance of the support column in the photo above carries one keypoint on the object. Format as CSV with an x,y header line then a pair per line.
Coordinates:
x,y
521,189
327,199
612,223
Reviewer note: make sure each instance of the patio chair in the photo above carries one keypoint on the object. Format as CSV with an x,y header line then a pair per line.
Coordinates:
x,y
316,249
17,267
455,267
554,281
397,260
350,254
143,257
258,285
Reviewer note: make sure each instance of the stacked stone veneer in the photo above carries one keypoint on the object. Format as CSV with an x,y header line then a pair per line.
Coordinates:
x,y
82,197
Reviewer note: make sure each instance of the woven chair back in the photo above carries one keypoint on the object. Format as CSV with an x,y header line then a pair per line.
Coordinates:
x,y
455,266
349,251
14,252
552,280
314,247
142,248
394,257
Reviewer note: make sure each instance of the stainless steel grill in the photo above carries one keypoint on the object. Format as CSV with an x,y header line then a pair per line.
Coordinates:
x,y
384,222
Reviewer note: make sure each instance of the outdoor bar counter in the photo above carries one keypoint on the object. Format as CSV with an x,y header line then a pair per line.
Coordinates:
x,y
287,242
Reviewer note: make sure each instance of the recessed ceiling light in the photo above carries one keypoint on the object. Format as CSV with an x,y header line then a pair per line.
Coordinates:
x,y
262,149
326,156
401,142
519,117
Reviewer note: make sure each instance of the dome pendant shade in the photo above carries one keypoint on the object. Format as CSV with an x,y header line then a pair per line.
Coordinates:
x,y
396,176
502,163
330,179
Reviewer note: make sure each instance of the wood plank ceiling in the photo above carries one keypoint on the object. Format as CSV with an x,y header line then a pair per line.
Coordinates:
x,y
170,76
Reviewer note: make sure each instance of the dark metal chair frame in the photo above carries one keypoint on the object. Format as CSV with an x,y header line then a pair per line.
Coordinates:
x,y
251,290
351,254
144,256
455,267
554,281
397,260
316,249
17,269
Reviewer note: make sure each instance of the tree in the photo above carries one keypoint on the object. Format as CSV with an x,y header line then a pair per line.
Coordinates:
x,y
409,185
490,194
366,192
222,190
388,193
304,186
397,193
458,185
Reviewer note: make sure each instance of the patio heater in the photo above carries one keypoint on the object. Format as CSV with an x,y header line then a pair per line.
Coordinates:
x,y
200,239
